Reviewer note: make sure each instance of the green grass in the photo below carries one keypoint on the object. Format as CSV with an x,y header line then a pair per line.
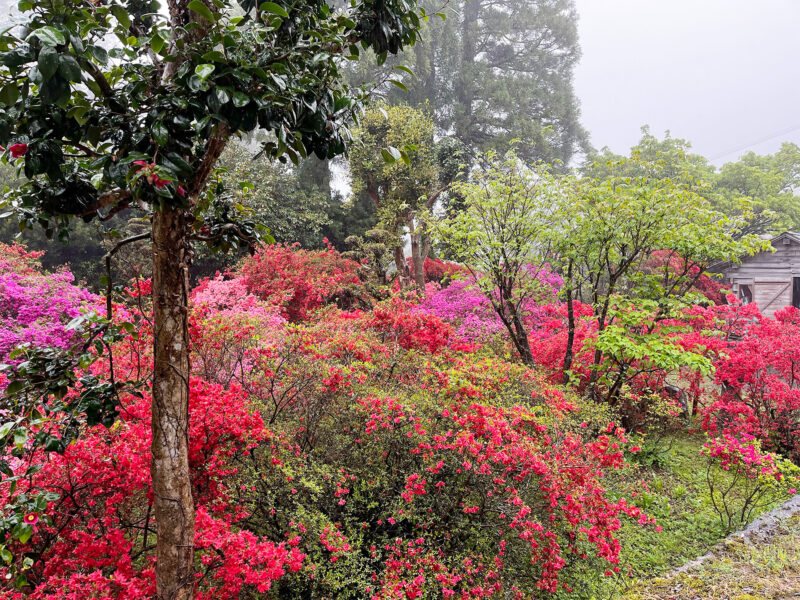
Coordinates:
x,y
679,501
766,568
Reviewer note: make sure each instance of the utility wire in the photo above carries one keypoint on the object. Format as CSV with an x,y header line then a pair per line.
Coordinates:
x,y
755,143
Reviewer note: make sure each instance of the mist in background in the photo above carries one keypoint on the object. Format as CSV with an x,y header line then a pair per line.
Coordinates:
x,y
721,73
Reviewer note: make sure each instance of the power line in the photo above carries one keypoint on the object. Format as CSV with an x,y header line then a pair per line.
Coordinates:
x,y
755,143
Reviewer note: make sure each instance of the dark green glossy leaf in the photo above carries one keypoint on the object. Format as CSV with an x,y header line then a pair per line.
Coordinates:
x,y
122,16
201,9
100,54
47,62
69,68
240,99
160,133
223,95
203,71
274,9
50,36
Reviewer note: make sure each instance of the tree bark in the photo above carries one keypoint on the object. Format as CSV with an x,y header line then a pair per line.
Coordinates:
x,y
173,504
465,88
418,256
569,352
401,265
521,340
516,329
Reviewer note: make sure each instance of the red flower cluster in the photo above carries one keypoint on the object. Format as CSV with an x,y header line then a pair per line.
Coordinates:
x,y
300,281
759,379
97,539
439,270
396,319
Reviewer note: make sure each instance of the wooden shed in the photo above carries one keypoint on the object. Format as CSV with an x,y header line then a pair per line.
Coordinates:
x,y
770,279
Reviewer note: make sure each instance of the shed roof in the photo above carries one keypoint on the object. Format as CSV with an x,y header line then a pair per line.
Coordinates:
x,y
721,267
795,237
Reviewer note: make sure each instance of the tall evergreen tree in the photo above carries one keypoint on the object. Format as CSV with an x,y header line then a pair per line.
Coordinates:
x,y
492,72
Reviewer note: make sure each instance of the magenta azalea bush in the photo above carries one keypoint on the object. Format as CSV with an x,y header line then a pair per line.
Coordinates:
x,y
464,305
35,307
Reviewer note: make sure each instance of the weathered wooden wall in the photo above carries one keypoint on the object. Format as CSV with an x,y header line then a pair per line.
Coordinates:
x,y
769,274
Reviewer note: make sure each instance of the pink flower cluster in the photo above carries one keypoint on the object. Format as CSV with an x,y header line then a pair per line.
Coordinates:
x,y
742,453
35,307
468,309
223,297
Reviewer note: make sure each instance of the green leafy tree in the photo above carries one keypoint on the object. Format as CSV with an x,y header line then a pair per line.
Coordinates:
x,y
609,234
353,216
502,235
374,252
403,185
762,185
295,211
768,183
112,105
668,158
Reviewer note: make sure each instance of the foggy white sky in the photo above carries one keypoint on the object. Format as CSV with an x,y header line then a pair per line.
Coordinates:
x,y
721,73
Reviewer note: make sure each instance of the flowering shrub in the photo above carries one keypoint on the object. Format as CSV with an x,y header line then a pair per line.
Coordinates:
x,y
470,311
743,479
226,323
35,307
96,538
300,281
411,329
466,308
366,454
674,267
437,490
759,385
439,271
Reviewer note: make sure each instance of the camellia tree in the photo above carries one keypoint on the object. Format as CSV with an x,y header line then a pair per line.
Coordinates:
x,y
111,105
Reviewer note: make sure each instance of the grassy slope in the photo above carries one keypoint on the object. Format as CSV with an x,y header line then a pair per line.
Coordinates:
x,y
762,568
678,498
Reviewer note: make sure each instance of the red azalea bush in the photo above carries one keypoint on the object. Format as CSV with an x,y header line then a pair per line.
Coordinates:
x,y
759,379
446,487
640,359
674,266
96,536
439,271
390,451
299,281
396,319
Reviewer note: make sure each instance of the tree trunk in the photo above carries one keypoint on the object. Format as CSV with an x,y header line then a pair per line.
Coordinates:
x,y
521,341
418,256
173,504
570,351
516,329
402,266
465,88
